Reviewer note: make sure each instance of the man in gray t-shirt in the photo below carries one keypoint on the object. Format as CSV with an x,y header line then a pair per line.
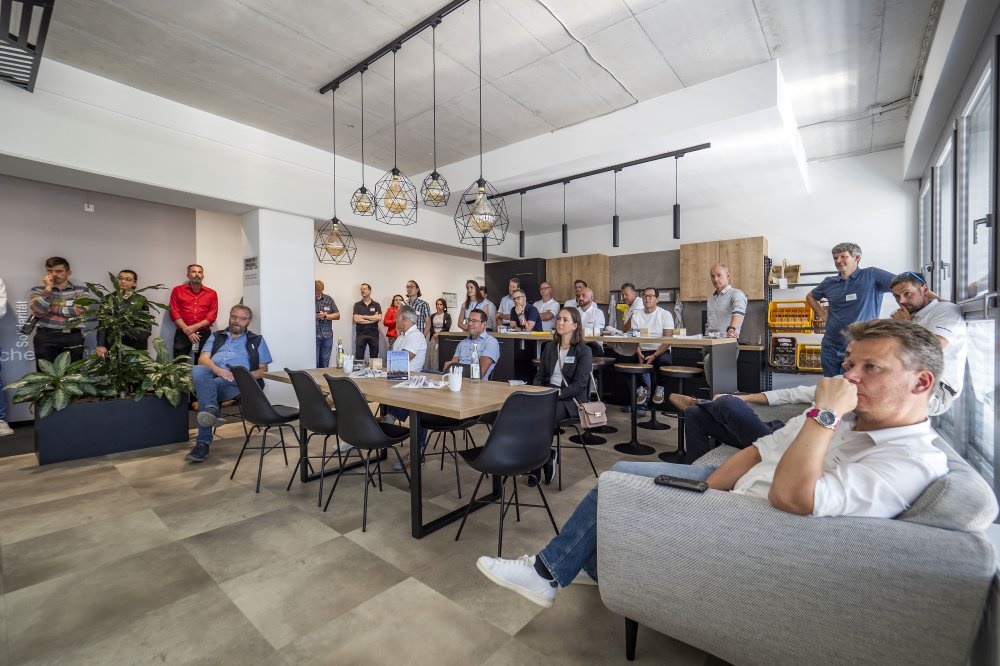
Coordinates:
x,y
727,305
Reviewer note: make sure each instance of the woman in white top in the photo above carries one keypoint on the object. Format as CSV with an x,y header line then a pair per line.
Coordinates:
x,y
472,301
440,321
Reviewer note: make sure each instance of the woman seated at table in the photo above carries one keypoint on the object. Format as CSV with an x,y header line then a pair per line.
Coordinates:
x,y
566,364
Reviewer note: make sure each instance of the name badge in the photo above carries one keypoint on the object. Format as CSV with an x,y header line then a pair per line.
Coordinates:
x,y
69,303
851,297
569,359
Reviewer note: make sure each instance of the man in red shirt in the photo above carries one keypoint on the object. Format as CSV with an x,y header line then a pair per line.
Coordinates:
x,y
193,308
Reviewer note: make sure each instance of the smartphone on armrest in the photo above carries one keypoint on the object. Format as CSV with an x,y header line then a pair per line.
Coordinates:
x,y
678,482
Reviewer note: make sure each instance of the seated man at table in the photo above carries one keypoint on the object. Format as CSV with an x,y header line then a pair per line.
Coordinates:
x,y
412,341
657,322
477,342
213,380
524,316
866,450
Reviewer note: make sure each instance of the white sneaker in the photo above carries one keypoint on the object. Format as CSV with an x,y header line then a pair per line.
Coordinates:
x,y
519,576
344,447
5,429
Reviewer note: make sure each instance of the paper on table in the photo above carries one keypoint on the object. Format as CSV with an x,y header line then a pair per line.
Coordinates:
x,y
421,382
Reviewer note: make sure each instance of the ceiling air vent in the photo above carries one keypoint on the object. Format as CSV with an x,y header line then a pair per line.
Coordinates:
x,y
23,25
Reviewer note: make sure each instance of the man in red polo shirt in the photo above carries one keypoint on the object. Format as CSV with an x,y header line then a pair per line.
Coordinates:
x,y
193,307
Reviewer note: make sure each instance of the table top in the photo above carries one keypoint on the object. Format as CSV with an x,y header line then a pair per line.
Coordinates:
x,y
472,400
620,339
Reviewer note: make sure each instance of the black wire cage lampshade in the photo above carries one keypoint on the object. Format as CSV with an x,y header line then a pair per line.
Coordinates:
x,y
434,191
481,217
334,243
395,195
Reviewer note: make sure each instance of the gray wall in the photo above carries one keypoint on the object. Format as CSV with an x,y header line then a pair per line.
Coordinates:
x,y
38,220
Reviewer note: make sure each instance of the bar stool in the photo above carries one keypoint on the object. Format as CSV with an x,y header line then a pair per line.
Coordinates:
x,y
633,447
652,423
679,373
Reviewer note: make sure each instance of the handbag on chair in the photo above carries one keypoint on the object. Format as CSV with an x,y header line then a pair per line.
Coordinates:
x,y
593,413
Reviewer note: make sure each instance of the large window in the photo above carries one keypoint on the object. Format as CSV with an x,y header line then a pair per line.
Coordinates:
x,y
942,280
975,177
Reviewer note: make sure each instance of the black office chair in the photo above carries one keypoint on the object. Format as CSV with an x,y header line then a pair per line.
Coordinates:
x,y
518,443
315,418
441,427
261,415
359,427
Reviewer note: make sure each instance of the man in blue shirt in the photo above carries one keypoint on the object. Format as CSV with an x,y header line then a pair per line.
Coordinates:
x,y
213,380
855,294
524,316
489,348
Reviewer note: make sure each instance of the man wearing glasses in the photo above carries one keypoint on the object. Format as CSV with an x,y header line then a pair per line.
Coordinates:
x,y
854,294
487,346
127,282
213,380
524,316
419,306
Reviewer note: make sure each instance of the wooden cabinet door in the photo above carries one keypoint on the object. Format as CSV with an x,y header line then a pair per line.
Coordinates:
x,y
559,273
697,260
745,259
595,270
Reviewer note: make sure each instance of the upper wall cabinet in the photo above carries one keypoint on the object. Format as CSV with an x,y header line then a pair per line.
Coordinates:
x,y
593,269
743,256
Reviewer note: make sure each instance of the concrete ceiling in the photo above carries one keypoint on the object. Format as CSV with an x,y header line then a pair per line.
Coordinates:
x,y
547,65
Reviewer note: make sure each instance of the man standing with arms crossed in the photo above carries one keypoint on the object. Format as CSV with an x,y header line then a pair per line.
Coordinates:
x,y
326,311
193,309
54,304
854,294
367,315
727,305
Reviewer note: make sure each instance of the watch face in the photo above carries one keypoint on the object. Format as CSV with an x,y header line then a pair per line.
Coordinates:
x,y
826,418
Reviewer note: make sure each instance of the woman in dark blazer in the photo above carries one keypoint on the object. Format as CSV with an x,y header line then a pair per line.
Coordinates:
x,y
566,364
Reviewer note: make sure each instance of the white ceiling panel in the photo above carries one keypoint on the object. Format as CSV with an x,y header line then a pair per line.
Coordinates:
x,y
626,50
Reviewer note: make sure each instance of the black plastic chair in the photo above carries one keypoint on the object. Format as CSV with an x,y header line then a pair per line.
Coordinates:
x,y
518,443
581,439
315,418
261,415
358,426
441,427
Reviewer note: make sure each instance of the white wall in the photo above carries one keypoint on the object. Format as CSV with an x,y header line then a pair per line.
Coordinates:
x,y
219,250
859,199
387,268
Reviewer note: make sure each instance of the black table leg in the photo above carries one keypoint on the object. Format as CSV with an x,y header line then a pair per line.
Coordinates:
x,y
633,447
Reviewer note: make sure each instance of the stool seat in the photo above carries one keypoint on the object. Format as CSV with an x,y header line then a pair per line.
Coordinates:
x,y
536,361
680,371
603,361
633,368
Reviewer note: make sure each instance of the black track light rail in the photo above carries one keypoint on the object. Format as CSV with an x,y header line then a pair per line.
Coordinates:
x,y
394,45
616,167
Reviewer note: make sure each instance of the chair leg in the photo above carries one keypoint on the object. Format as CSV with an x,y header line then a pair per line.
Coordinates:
x,y
302,462
340,473
364,510
559,456
468,509
517,504
545,503
401,465
240,457
322,470
503,492
260,465
631,632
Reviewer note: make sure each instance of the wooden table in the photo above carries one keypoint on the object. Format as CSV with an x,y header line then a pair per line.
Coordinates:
x,y
472,400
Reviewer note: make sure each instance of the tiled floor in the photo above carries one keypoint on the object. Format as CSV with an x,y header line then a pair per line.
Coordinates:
x,y
144,558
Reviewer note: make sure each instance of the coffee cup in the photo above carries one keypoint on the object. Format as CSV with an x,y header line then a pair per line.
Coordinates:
x,y
348,363
455,381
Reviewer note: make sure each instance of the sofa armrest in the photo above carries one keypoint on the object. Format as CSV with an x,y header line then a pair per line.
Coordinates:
x,y
751,584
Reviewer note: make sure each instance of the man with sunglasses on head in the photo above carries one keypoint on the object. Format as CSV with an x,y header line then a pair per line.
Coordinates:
x,y
854,294
213,379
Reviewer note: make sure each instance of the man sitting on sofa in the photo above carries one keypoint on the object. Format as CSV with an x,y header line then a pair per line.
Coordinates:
x,y
865,450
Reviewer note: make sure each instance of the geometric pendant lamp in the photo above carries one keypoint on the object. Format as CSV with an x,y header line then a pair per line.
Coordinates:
x,y
334,243
362,202
395,195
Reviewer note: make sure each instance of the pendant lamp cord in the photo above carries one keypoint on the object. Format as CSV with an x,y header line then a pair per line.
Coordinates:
x,y
616,191
394,106
675,179
363,127
333,94
480,4
434,88
522,211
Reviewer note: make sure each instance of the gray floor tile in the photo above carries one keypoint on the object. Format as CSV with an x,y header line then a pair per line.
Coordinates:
x,y
203,628
45,517
408,624
293,596
193,515
232,550
64,612
81,548
34,484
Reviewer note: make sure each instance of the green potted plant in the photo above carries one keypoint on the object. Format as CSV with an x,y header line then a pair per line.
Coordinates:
x,y
119,400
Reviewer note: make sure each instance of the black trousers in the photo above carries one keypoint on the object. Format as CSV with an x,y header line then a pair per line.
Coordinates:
x,y
182,344
363,341
49,343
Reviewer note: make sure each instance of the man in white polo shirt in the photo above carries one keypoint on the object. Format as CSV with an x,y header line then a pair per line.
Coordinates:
x,y
547,307
727,305
658,322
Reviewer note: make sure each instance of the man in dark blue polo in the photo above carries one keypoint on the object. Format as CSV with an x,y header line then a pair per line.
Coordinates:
x,y
854,294
213,380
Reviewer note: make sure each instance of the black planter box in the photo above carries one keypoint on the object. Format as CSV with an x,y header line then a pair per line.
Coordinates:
x,y
87,429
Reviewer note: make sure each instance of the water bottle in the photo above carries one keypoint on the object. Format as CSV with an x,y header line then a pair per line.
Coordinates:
x,y
474,370
340,352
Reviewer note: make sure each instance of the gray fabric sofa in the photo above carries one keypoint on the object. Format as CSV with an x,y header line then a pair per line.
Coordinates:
x,y
750,584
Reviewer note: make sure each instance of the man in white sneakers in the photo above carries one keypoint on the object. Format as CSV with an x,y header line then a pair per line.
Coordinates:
x,y
865,450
